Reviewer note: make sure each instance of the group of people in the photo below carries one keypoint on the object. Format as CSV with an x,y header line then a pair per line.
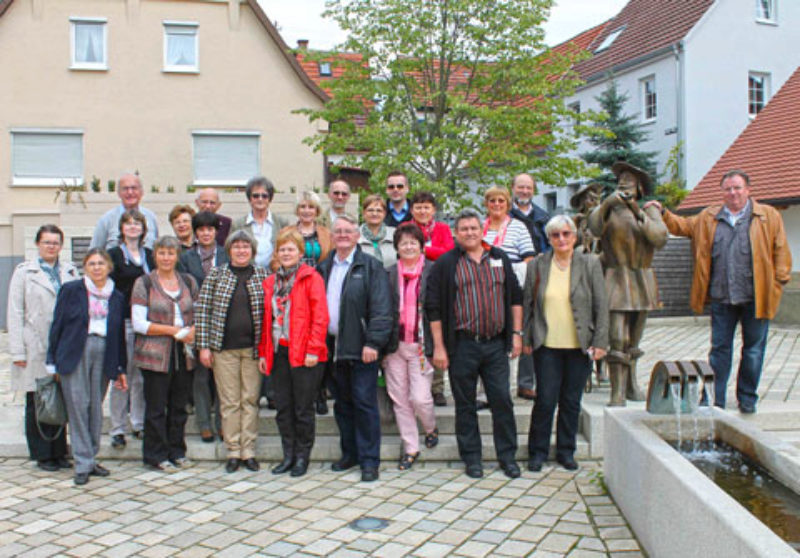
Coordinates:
x,y
326,305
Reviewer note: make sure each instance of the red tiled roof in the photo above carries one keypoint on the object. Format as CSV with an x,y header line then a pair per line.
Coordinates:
x,y
311,67
767,150
649,25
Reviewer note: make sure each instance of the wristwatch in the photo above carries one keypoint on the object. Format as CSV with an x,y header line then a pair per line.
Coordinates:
x,y
517,332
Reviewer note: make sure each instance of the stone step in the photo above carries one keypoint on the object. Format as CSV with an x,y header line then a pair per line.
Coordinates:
x,y
326,448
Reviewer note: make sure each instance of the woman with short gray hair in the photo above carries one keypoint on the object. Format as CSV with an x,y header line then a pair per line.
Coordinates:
x,y
230,311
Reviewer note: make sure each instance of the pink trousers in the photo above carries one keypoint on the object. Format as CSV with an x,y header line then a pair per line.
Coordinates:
x,y
409,385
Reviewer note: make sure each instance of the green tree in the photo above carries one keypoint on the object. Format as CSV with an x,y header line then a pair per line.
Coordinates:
x,y
450,91
616,138
672,191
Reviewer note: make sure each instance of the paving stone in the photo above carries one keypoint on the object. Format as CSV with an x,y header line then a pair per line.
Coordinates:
x,y
615,533
591,543
433,550
615,545
392,550
570,528
487,536
474,549
514,548
557,542
530,533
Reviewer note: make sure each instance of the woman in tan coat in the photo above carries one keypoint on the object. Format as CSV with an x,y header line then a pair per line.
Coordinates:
x,y
31,299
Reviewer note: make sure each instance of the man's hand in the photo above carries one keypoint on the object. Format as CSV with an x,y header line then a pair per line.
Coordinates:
x,y
516,345
368,354
121,382
527,349
654,203
596,353
207,358
440,359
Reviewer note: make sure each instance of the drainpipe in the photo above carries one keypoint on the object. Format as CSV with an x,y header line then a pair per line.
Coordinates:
x,y
680,109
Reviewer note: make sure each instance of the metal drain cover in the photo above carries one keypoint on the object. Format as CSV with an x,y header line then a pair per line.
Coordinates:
x,y
368,524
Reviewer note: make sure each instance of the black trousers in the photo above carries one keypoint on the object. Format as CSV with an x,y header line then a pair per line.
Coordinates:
x,y
295,392
561,375
39,448
489,361
165,398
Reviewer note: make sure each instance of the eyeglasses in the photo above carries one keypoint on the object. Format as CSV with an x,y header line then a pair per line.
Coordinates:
x,y
49,244
259,196
374,210
344,232
496,200
561,234
395,186
340,194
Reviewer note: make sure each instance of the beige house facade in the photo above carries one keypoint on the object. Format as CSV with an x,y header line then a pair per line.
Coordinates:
x,y
189,93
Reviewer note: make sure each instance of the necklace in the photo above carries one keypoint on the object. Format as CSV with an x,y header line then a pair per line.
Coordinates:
x,y
560,265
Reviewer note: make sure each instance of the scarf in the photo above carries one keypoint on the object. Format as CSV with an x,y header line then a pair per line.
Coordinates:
x,y
52,273
98,298
375,239
501,232
207,257
408,289
129,258
427,230
284,281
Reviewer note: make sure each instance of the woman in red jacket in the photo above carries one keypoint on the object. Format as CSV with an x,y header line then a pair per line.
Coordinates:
x,y
292,347
438,238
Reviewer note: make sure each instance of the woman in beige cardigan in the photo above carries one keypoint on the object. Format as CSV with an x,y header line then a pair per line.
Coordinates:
x,y
31,300
566,317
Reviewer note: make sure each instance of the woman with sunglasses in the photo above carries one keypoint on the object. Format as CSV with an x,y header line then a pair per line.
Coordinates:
x,y
566,317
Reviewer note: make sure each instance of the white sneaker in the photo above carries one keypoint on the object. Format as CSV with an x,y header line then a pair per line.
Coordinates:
x,y
183,463
167,467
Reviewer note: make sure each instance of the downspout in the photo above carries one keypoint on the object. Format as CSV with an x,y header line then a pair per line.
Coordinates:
x,y
680,109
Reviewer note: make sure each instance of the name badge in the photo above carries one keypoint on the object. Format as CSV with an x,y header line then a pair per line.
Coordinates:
x,y
495,263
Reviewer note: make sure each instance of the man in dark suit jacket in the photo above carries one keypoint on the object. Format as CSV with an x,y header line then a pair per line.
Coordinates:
x,y
208,200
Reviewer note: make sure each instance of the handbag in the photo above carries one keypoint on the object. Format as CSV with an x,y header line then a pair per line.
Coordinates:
x,y
49,405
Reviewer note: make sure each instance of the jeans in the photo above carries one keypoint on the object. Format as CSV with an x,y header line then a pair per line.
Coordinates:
x,y
561,375
724,318
525,374
356,411
489,361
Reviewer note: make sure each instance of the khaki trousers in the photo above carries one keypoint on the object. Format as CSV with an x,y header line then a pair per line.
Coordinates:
x,y
238,384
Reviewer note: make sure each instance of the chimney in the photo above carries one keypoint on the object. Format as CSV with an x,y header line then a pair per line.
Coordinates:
x,y
302,44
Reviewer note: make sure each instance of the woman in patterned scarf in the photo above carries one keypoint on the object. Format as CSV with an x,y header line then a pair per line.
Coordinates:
x,y
292,347
376,237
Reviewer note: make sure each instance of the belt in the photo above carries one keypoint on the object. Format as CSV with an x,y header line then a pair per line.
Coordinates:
x,y
477,338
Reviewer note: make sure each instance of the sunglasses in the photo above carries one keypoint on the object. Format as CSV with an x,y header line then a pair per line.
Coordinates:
x,y
395,186
561,234
260,196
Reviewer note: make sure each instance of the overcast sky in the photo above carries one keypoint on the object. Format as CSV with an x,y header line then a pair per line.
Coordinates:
x,y
299,19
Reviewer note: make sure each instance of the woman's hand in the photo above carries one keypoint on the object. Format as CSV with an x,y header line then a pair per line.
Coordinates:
x,y
20,363
516,345
262,365
596,353
527,349
207,358
311,361
121,383
189,336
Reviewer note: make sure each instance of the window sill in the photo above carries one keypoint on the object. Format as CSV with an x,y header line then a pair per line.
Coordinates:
x,y
46,182
650,121
772,22
219,183
85,68
194,71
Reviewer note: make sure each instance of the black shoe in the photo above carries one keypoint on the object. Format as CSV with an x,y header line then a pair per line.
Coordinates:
x,y
81,479
343,464
63,463
535,464
481,404
206,435
118,441
369,474
251,464
300,467
322,407
511,469
474,470
48,465
568,463
138,434
439,400
283,467
747,409
232,465
99,471
432,439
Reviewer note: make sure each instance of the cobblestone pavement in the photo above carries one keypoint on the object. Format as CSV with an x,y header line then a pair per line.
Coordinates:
x,y
431,511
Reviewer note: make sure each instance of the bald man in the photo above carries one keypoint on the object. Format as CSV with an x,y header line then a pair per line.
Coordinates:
x,y
208,200
130,192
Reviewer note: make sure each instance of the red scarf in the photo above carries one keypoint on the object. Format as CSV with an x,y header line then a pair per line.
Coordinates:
x,y
408,286
501,232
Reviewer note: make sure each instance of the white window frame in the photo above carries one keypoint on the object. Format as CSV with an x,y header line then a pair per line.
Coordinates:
x,y
169,28
95,66
47,181
645,98
609,40
771,15
765,76
325,69
232,133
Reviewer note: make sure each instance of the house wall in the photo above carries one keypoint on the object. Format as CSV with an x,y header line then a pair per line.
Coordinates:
x,y
725,45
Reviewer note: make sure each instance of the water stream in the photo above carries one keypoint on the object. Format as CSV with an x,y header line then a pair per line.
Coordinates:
x,y
675,388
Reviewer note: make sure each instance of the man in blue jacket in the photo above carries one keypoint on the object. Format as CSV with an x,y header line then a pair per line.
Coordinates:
x,y
360,310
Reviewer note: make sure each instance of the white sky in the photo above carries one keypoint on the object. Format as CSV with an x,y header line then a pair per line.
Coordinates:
x,y
300,19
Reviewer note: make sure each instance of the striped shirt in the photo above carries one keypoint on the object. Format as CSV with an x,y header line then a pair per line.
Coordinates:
x,y
480,296
517,243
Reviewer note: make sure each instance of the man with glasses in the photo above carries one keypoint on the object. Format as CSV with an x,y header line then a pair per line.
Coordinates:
x,y
474,304
398,207
360,310
208,200
629,236
130,192
339,194
741,263
523,188
260,222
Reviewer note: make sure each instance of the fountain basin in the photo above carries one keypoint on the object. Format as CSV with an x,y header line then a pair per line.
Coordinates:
x,y
672,507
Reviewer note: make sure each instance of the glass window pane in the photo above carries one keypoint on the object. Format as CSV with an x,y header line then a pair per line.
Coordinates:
x,y
89,48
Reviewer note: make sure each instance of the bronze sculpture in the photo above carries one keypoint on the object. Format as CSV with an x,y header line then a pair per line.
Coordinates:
x,y
583,202
629,237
